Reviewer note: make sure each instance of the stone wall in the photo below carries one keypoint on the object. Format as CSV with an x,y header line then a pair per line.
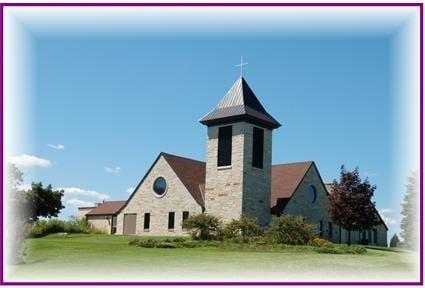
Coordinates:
x,y
239,188
223,185
176,199
300,204
257,181
101,222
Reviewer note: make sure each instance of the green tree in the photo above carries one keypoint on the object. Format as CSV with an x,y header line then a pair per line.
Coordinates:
x,y
202,226
16,223
350,202
409,222
243,228
42,202
26,207
394,241
292,230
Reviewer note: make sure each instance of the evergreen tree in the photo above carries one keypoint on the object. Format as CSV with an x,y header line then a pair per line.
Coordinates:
x,y
394,241
350,202
409,223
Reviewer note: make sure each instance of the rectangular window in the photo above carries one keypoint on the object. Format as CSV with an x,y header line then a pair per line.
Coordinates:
x,y
257,148
321,228
185,215
171,220
147,221
224,157
330,232
114,225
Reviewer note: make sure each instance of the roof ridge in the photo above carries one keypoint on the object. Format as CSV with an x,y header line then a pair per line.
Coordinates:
x,y
294,163
186,158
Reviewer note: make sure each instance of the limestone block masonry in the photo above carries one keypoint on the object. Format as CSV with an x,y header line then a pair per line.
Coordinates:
x,y
240,188
101,222
176,199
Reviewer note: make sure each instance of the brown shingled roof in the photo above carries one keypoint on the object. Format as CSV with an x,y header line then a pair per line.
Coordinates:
x,y
286,178
190,172
107,208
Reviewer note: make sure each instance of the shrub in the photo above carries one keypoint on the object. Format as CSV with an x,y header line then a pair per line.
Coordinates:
x,y
341,249
291,230
73,225
44,227
168,245
242,229
203,226
145,243
179,240
319,242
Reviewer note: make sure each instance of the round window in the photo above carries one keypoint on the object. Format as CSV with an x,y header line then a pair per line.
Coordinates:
x,y
160,186
312,194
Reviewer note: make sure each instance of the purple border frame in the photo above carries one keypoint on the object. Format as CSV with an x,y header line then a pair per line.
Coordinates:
x,y
417,5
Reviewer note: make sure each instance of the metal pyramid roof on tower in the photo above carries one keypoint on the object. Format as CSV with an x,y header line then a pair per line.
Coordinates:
x,y
240,104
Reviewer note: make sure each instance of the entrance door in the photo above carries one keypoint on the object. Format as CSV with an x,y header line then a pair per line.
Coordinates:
x,y
129,224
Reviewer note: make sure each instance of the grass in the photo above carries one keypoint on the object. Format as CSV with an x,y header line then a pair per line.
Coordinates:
x,y
82,257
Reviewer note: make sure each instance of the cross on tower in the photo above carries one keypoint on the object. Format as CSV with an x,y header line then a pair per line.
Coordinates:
x,y
241,65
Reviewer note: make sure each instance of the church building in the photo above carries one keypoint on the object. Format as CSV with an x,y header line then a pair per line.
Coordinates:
x,y
238,178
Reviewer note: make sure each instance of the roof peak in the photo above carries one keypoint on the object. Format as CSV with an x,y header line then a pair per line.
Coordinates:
x,y
178,156
240,103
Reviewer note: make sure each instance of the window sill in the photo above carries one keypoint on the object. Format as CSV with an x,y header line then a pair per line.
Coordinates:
x,y
170,230
224,167
145,230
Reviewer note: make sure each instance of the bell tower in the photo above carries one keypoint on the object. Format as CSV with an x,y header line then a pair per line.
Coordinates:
x,y
239,156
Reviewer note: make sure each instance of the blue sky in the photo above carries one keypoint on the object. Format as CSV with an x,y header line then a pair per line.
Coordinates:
x,y
105,106
118,103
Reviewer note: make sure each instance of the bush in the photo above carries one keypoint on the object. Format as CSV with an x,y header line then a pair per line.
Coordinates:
x,y
203,226
168,245
242,229
145,243
319,242
341,249
45,227
171,243
291,230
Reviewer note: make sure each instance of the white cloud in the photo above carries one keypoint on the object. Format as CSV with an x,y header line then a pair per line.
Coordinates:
x,y
389,220
115,169
57,146
79,203
130,190
27,161
78,191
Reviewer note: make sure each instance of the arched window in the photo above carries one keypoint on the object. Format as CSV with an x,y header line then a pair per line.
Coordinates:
x,y
312,194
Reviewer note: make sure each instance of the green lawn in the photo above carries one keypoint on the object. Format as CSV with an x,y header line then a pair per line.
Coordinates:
x,y
110,258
